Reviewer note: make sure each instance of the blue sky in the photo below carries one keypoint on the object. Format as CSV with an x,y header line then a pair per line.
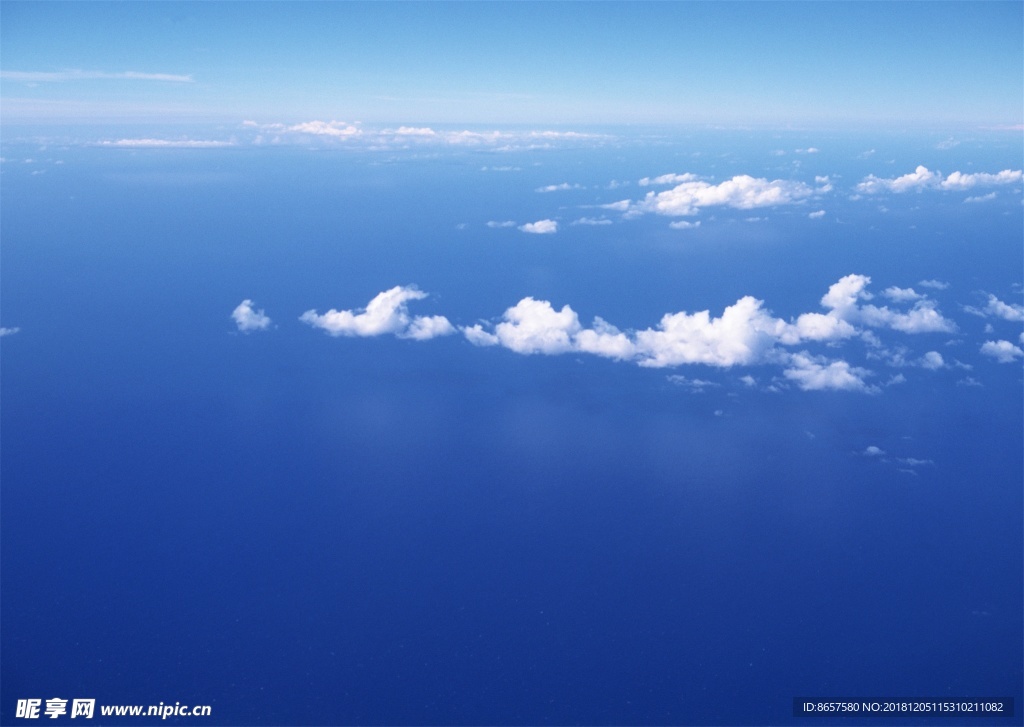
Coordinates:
x,y
534,363
836,64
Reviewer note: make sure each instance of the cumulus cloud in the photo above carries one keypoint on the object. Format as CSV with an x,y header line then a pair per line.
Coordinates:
x,y
1002,351
843,297
816,215
540,227
422,131
386,313
873,451
901,295
337,129
1007,311
933,361
817,374
740,192
249,319
924,178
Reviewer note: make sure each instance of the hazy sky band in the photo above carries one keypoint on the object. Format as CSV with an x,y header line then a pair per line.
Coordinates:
x,y
733,63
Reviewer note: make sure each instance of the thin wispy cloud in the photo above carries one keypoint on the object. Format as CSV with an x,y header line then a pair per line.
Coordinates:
x,y
165,144
80,75
9,331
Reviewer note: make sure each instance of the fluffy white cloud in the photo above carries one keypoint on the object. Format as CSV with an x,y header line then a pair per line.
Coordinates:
x,y
684,225
1002,351
423,328
1008,311
816,374
932,361
248,318
901,295
923,178
540,227
534,326
740,192
873,451
338,129
816,215
920,177
843,296
959,180
741,335
386,313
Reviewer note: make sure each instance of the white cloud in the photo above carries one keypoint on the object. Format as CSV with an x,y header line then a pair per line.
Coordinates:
x,y
816,215
423,131
817,374
1002,351
8,331
933,284
504,223
958,180
912,462
808,150
684,225
740,192
558,187
424,328
924,178
842,298
337,129
932,361
981,198
621,206
534,326
920,177
873,451
79,75
592,221
741,335
668,179
540,227
248,318
386,313
695,385
1007,311
901,295
165,144
476,335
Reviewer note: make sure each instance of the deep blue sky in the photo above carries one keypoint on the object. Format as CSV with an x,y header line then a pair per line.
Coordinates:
x,y
357,370
733,63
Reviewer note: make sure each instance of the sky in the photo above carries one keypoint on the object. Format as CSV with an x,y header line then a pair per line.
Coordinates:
x,y
721,63
416,363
